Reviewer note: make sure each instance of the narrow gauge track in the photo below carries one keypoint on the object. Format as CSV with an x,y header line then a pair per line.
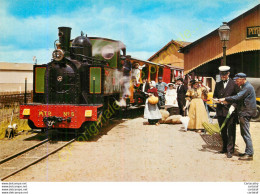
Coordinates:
x,y
28,157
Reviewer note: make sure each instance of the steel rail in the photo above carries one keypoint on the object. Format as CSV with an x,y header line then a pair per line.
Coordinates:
x,y
36,161
24,151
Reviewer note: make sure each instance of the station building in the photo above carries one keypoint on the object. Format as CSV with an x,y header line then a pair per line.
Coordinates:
x,y
203,56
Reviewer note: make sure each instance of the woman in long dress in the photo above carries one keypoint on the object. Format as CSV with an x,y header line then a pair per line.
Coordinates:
x,y
171,95
197,111
151,111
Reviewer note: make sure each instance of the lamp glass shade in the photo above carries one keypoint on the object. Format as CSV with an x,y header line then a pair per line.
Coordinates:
x,y
224,32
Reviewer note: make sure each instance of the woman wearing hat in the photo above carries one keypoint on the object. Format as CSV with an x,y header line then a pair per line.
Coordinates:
x,y
171,95
151,110
197,111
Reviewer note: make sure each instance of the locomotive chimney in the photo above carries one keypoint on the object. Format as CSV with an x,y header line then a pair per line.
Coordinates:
x,y
64,38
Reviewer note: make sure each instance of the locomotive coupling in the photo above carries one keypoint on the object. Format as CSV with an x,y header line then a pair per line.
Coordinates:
x,y
50,121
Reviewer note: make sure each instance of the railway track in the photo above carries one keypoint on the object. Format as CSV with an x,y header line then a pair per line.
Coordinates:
x,y
30,156
15,163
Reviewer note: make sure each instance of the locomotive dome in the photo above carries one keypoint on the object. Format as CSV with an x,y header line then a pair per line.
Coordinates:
x,y
81,41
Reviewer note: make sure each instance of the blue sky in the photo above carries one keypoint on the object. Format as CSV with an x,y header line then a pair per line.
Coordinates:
x,y
29,27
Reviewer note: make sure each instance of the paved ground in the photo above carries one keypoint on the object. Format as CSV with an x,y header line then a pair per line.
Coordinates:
x,y
128,150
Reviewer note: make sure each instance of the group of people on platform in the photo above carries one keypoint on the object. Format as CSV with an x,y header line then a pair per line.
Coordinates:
x,y
171,94
175,95
236,97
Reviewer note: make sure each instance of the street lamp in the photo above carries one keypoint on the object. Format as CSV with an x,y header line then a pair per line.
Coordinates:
x,y
224,32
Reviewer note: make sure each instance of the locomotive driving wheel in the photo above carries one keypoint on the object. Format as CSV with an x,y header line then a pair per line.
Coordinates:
x,y
31,124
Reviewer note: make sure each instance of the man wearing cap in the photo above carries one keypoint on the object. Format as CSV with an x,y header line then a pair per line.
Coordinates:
x,y
226,87
181,94
161,91
246,106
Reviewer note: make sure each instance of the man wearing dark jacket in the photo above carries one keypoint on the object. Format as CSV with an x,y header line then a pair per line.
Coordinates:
x,y
226,87
246,106
181,94
141,90
144,86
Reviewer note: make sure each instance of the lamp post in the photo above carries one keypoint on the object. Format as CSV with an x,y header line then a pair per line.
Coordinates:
x,y
224,32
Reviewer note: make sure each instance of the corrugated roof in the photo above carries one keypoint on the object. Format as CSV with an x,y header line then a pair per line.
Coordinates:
x,y
212,59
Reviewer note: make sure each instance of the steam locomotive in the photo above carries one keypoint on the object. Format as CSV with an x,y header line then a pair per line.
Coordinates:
x,y
83,82
80,83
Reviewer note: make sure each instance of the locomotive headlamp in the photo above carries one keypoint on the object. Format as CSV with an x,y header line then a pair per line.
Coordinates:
x,y
88,113
26,112
58,45
58,54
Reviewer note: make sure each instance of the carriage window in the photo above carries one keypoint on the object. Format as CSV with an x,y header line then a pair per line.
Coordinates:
x,y
153,72
144,73
160,73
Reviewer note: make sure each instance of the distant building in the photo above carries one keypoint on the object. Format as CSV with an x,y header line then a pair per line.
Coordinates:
x,y
169,55
12,76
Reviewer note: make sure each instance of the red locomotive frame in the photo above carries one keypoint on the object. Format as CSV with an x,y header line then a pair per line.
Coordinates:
x,y
70,116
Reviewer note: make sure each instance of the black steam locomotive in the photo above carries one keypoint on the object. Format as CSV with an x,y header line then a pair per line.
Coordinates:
x,y
80,85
